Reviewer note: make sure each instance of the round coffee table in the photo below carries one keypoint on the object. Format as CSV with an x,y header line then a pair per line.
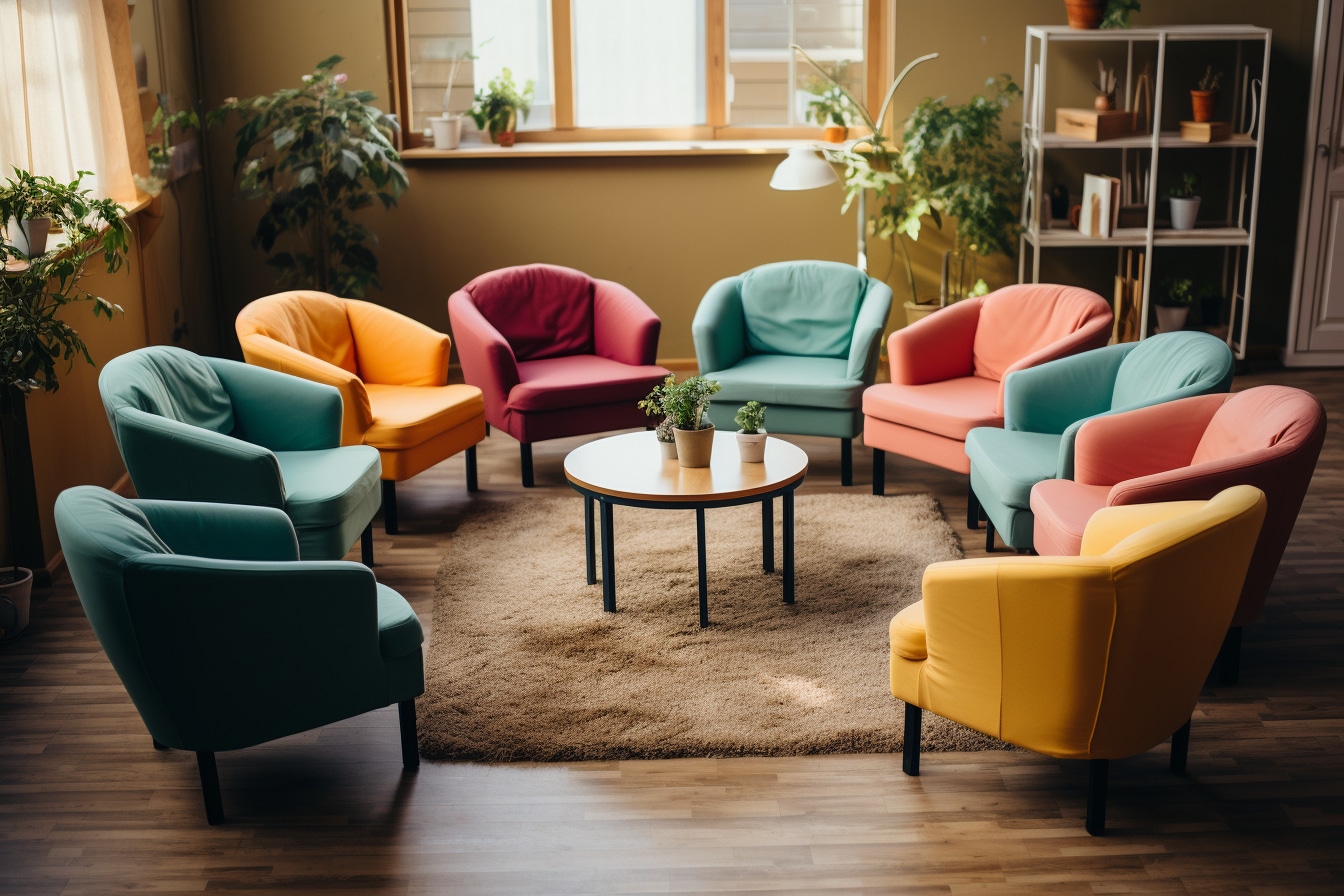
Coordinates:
x,y
629,469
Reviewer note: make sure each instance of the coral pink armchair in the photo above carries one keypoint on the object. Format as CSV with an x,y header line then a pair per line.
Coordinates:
x,y
947,370
556,353
1193,448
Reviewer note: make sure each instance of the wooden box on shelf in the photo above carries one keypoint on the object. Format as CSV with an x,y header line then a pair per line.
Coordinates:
x,y
1089,124
1206,131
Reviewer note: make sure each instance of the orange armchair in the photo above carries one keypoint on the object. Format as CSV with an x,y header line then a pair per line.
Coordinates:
x,y
1095,657
392,373
1190,449
948,370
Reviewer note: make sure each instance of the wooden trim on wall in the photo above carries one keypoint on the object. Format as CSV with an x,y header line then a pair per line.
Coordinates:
x,y
118,18
399,73
877,41
716,63
562,64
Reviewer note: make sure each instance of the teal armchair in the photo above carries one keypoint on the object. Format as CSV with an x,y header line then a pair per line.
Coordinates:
x,y
1045,406
192,428
802,338
222,637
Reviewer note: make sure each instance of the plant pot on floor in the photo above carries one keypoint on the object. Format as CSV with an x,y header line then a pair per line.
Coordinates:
x,y
1170,319
694,446
751,446
1184,212
447,131
15,601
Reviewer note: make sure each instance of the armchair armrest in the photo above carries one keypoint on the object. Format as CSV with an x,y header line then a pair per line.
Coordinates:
x,y
1112,525
392,349
357,415
719,328
868,328
282,413
488,361
1202,481
222,531
1092,335
625,329
1051,397
939,347
175,461
1115,447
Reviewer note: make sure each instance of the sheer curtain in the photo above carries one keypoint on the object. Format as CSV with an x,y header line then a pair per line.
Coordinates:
x,y
59,105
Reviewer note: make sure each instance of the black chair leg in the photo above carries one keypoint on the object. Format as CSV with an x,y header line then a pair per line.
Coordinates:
x,y
989,535
1180,748
366,545
879,471
972,507
389,507
1229,657
846,461
525,452
214,803
487,430
410,744
1097,770
471,469
914,718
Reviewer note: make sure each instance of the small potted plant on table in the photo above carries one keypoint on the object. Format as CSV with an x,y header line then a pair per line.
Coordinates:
x,y
685,404
751,437
1173,304
498,106
652,405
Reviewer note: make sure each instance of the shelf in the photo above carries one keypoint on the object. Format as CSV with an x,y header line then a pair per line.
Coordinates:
x,y
1071,238
1202,236
1166,140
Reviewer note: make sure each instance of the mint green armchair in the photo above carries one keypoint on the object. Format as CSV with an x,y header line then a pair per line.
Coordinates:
x,y
192,428
802,338
1045,406
222,637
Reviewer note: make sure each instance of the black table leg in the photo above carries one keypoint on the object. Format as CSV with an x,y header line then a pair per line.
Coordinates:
x,y
768,534
788,546
704,580
608,560
588,539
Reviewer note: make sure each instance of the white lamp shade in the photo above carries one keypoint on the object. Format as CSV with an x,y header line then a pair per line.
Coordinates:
x,y
803,169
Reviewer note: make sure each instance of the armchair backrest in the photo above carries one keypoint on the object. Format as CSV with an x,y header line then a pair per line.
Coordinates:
x,y
541,310
805,308
1018,321
1173,365
169,382
314,323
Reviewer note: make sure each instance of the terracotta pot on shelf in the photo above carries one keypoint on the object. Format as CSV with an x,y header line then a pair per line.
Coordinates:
x,y
1085,14
1104,102
834,134
1202,103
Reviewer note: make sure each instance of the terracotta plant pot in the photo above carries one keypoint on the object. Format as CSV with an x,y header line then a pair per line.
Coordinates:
x,y
1086,14
834,134
694,446
1104,102
505,133
1202,104
751,446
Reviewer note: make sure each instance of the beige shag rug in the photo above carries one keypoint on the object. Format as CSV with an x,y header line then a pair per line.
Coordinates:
x,y
523,664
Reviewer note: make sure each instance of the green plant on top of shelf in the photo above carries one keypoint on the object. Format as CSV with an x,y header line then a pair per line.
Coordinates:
x,y
1117,13
1186,188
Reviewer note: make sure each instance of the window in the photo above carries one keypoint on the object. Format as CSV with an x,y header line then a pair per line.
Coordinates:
x,y
616,69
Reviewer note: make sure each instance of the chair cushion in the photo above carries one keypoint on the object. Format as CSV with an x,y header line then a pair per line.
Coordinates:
x,y
541,310
1264,417
950,408
406,416
1167,362
313,323
399,631
169,382
802,308
1061,508
1009,463
324,487
909,633
1017,321
789,380
580,381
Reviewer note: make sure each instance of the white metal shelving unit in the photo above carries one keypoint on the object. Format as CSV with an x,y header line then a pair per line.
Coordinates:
x,y
1235,235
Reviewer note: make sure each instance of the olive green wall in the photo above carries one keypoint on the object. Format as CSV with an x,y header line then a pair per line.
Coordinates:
x,y
669,227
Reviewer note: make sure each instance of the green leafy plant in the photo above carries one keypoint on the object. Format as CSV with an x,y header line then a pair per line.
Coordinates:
x,y
686,402
830,107
317,155
1186,188
750,417
1117,13
161,152
1210,80
497,106
1178,292
652,405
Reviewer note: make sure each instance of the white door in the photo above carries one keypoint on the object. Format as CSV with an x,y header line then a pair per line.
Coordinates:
x,y
1319,317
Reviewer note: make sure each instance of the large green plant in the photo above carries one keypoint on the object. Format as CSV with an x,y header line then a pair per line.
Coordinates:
x,y
317,155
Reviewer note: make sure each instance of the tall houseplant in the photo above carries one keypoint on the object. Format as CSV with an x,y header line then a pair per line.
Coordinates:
x,y
34,339
317,155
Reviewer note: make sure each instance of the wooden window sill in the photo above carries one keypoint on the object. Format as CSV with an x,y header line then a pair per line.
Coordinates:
x,y
475,148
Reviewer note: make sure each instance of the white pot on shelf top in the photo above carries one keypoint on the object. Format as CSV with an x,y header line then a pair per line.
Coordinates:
x,y
1184,211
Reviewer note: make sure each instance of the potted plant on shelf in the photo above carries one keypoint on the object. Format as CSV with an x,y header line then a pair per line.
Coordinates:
x,y
498,106
1105,88
1204,98
1173,304
751,437
31,205
447,128
685,404
653,406
1184,202
34,287
317,155
162,151
1091,14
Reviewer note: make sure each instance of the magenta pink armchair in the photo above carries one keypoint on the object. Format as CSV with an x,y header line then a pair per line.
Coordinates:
x,y
555,352
947,370
1191,449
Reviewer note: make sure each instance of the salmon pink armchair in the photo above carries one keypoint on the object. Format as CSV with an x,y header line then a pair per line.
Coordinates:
x,y
1269,437
948,370
556,352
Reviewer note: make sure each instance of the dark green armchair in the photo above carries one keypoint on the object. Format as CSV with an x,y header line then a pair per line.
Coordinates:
x,y
223,638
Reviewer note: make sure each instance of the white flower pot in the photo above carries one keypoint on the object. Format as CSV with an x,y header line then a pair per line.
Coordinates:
x,y
447,131
29,236
668,449
1169,319
751,446
1184,211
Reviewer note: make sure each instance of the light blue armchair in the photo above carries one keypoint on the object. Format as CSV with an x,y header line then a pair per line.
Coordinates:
x,y
802,338
223,638
192,428
1045,406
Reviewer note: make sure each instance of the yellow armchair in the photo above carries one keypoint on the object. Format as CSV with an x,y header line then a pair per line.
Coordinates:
x,y
1095,657
392,373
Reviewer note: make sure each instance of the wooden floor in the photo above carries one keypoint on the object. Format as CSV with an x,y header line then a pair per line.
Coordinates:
x,y
86,806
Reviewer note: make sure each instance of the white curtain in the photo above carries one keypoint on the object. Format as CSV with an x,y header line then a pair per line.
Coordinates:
x,y
59,105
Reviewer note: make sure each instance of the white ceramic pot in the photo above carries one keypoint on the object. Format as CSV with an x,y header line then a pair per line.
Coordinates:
x,y
669,450
694,446
1184,211
29,236
751,446
15,601
1169,320
447,131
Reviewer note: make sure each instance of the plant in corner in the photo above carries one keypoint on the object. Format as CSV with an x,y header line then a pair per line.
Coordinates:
x,y
34,339
1184,202
685,404
498,106
317,155
751,436
1173,303
653,406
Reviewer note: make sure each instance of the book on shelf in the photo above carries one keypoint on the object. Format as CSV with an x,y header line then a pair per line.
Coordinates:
x,y
1206,131
1101,205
